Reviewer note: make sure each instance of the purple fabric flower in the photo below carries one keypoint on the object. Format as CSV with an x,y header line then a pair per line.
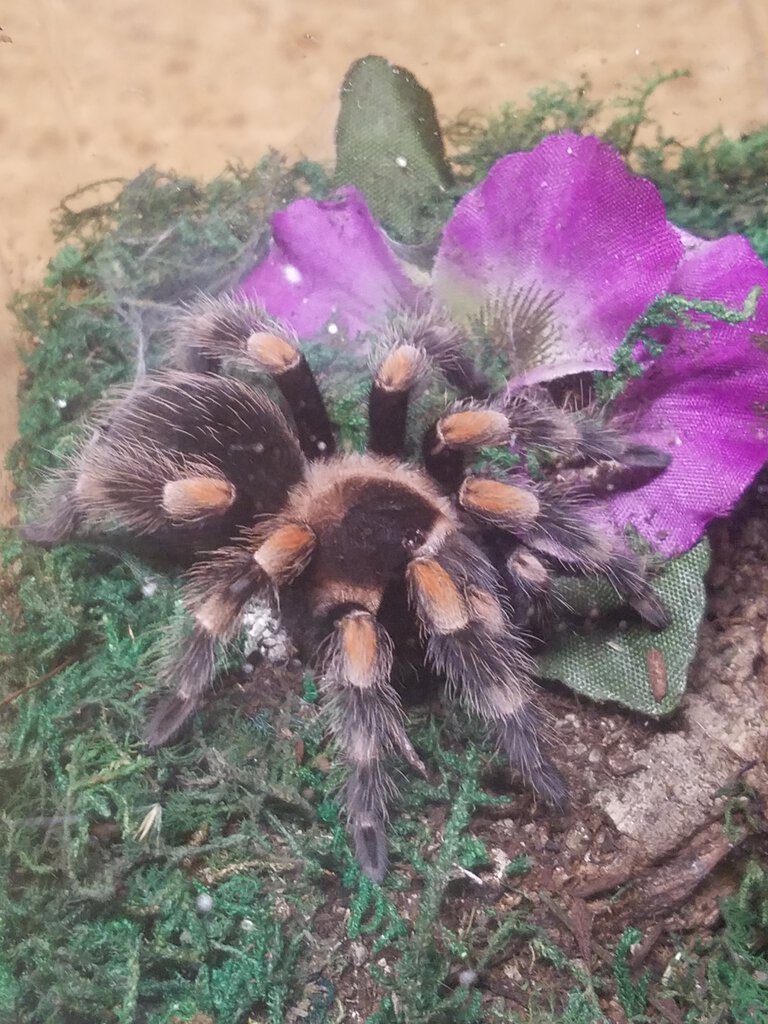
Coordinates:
x,y
569,248
329,269
704,400
568,224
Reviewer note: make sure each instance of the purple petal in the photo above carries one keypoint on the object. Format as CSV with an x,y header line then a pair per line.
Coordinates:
x,y
329,269
566,222
704,401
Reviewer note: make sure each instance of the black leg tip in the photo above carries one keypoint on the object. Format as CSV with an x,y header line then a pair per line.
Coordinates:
x,y
653,612
371,850
58,528
644,456
552,787
167,721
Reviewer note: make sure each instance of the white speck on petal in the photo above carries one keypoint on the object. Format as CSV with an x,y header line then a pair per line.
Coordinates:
x,y
569,151
401,161
292,274
678,441
332,328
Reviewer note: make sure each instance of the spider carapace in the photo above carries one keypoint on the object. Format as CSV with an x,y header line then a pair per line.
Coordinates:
x,y
373,561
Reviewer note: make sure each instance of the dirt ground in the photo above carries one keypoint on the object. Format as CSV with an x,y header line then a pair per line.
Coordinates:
x,y
95,90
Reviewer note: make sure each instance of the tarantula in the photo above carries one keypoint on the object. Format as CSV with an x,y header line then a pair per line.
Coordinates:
x,y
381,567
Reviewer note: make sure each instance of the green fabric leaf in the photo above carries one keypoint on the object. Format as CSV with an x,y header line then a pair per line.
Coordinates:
x,y
389,144
608,659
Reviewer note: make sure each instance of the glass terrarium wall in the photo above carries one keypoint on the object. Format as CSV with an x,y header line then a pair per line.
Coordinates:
x,y
211,879
95,91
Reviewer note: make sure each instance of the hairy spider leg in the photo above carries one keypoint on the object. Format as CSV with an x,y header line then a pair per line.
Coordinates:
x,y
462,430
398,373
578,436
291,372
471,641
546,518
550,521
432,331
498,507
564,533
232,327
416,343
217,594
184,460
530,420
503,509
366,720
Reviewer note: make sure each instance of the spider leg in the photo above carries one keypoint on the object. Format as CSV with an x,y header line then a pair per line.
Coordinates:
x,y
144,488
366,721
565,533
579,436
526,577
185,459
553,523
189,666
465,429
471,641
531,420
433,332
417,342
57,516
217,594
398,373
546,518
229,327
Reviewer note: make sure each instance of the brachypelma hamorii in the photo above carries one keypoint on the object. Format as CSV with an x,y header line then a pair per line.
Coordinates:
x,y
375,562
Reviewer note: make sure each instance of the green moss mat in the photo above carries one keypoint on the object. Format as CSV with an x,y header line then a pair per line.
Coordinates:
x,y
212,882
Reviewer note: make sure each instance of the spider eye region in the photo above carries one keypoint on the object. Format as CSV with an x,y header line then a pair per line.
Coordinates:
x,y
413,539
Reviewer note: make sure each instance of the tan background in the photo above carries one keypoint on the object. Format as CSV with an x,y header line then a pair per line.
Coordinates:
x,y
99,88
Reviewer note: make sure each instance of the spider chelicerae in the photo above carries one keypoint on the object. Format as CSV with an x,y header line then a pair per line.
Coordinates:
x,y
380,567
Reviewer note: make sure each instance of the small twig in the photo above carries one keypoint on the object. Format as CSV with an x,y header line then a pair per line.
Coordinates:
x,y
11,697
608,881
660,890
582,939
580,922
640,954
667,1009
470,875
